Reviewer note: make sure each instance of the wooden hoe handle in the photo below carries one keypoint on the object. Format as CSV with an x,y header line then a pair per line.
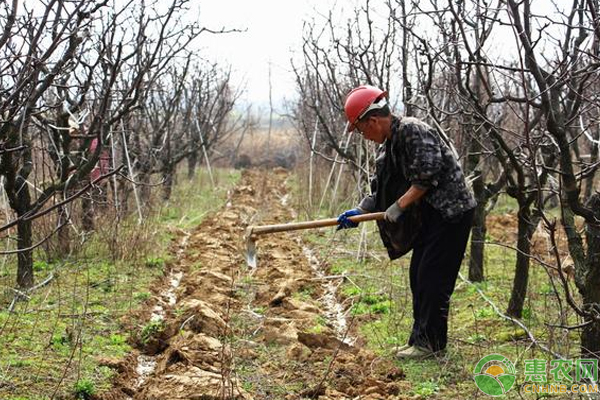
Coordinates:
x,y
320,223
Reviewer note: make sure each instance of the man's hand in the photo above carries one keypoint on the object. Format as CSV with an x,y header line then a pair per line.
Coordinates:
x,y
344,222
393,213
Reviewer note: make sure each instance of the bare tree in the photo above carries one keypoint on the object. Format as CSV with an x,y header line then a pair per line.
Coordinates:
x,y
337,58
71,75
560,88
453,77
30,66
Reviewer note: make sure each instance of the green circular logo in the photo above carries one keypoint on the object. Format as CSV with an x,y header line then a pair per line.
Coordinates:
x,y
494,374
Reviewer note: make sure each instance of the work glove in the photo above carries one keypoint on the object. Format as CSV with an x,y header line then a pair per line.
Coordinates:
x,y
344,222
393,213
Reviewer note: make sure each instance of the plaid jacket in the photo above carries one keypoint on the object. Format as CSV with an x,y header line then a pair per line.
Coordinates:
x,y
416,155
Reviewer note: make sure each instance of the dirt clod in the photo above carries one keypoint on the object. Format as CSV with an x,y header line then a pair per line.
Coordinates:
x,y
313,340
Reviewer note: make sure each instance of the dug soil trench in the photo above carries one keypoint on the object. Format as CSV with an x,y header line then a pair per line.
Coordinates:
x,y
275,332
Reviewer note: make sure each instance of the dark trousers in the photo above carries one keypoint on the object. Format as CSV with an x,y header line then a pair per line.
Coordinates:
x,y
434,266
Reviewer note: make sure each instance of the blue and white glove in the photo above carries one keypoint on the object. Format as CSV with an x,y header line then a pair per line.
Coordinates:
x,y
344,222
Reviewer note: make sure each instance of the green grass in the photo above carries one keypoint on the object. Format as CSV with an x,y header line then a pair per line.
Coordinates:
x,y
426,389
193,200
319,326
84,389
54,339
151,329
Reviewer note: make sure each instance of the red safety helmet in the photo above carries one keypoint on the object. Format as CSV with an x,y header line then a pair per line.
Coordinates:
x,y
361,100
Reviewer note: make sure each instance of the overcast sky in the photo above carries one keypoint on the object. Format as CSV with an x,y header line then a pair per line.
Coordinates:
x,y
273,33
270,33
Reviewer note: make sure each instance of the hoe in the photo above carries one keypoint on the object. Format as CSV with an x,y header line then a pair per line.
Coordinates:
x,y
253,231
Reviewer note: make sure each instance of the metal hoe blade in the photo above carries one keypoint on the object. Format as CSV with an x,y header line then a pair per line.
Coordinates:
x,y
250,249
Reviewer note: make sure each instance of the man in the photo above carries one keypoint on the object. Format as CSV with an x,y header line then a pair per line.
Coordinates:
x,y
428,208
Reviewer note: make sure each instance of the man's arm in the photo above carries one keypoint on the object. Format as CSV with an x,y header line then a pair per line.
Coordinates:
x,y
413,194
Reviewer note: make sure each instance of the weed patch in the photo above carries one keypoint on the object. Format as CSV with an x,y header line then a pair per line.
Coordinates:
x,y
84,389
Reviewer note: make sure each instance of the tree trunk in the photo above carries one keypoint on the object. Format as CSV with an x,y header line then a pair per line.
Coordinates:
x,y
519,290
168,179
145,189
87,212
24,238
64,239
589,182
192,162
590,336
25,266
478,232
124,190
